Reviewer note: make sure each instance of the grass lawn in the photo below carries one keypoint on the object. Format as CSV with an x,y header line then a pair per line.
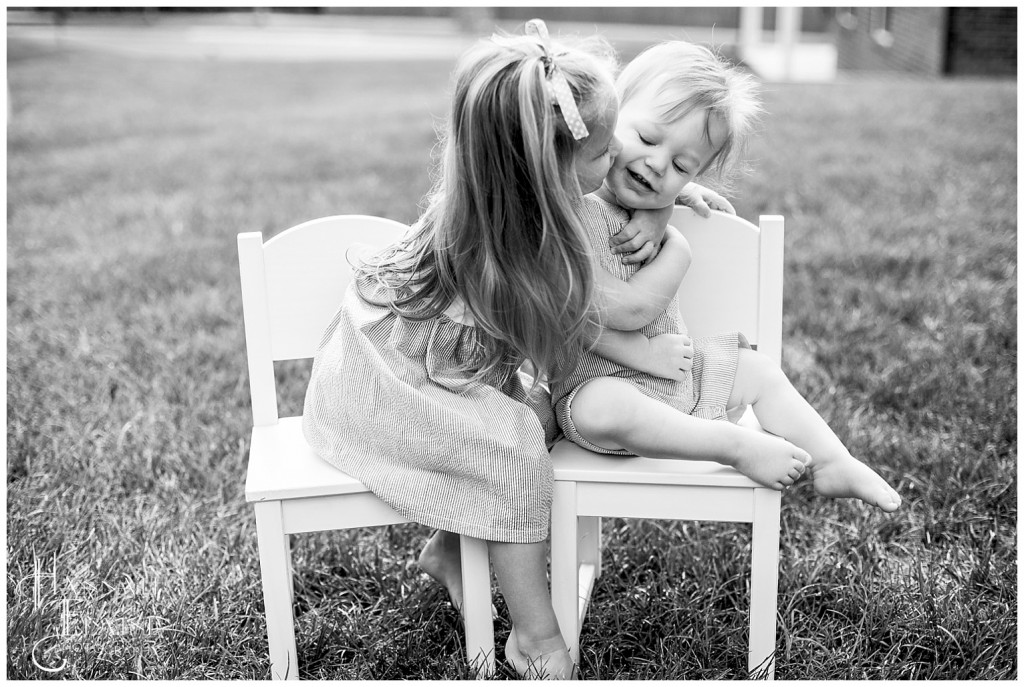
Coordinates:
x,y
131,551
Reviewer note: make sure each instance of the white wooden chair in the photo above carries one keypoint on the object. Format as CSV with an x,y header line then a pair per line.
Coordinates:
x,y
734,284
291,287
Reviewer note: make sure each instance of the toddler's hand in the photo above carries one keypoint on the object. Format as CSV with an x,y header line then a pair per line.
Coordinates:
x,y
703,200
641,238
672,356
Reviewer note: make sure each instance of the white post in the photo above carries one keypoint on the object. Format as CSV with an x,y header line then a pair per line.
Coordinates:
x,y
565,566
770,288
275,574
787,31
764,582
476,605
751,25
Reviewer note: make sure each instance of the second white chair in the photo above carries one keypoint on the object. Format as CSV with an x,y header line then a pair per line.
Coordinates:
x,y
734,284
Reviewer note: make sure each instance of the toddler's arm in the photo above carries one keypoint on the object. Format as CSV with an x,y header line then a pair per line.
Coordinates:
x,y
668,355
631,304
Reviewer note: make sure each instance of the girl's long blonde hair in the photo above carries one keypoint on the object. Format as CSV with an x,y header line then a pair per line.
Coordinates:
x,y
500,230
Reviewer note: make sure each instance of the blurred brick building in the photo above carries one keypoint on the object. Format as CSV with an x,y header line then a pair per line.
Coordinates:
x,y
936,41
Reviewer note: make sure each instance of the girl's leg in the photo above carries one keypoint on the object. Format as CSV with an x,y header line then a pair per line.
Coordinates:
x,y
781,410
535,646
441,558
614,414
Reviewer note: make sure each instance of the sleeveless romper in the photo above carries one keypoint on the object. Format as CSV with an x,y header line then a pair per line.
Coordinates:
x,y
705,392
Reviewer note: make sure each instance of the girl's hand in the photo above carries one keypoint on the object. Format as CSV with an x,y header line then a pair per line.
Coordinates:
x,y
703,200
640,240
671,356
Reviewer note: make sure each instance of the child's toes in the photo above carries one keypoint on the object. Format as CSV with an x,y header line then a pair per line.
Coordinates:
x,y
892,502
885,498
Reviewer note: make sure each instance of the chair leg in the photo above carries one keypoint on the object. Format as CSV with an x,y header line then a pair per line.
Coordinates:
x,y
275,573
476,606
565,593
764,582
590,542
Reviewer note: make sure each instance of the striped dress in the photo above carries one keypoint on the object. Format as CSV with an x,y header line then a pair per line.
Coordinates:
x,y
385,405
704,393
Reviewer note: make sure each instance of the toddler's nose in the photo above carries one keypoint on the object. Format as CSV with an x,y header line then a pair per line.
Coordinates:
x,y
656,165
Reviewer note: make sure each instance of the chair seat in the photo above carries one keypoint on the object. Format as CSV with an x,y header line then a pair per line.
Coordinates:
x,y
576,464
283,466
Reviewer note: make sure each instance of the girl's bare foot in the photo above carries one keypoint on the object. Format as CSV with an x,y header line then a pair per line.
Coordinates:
x,y
847,477
441,558
546,659
771,460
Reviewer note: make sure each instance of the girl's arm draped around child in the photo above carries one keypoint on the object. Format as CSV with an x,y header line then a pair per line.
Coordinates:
x,y
634,303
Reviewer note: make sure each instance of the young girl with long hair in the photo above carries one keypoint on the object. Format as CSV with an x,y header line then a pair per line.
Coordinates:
x,y
415,388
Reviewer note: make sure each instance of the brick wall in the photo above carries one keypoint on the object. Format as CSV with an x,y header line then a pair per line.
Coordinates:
x,y
813,19
907,39
982,40
931,41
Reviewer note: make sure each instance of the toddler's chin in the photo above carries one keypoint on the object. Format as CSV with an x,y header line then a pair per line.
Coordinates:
x,y
647,203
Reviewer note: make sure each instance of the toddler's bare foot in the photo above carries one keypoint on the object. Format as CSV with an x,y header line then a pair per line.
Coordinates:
x,y
441,558
771,460
847,477
546,659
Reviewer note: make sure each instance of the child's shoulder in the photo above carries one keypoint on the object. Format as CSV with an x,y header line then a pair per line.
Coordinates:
x,y
596,210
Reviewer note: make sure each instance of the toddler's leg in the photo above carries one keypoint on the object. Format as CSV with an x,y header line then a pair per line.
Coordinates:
x,y
535,646
781,409
614,414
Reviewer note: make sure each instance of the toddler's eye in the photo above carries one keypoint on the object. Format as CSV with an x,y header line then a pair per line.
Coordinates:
x,y
680,169
644,140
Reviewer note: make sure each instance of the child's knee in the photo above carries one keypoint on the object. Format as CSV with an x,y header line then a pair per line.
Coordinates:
x,y
600,408
755,374
759,366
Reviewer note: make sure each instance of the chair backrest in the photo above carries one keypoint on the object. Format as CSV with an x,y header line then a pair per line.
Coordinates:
x,y
292,286
735,280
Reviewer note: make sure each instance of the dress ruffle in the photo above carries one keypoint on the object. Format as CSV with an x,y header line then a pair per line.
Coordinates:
x,y
388,404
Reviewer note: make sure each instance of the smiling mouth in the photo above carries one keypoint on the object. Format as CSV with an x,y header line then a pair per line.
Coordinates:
x,y
639,180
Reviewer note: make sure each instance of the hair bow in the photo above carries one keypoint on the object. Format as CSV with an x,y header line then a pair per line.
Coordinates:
x,y
558,87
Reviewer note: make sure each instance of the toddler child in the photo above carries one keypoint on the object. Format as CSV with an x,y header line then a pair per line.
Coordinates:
x,y
682,112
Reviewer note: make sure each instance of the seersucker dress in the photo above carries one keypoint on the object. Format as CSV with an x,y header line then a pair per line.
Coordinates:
x,y
384,405
704,393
